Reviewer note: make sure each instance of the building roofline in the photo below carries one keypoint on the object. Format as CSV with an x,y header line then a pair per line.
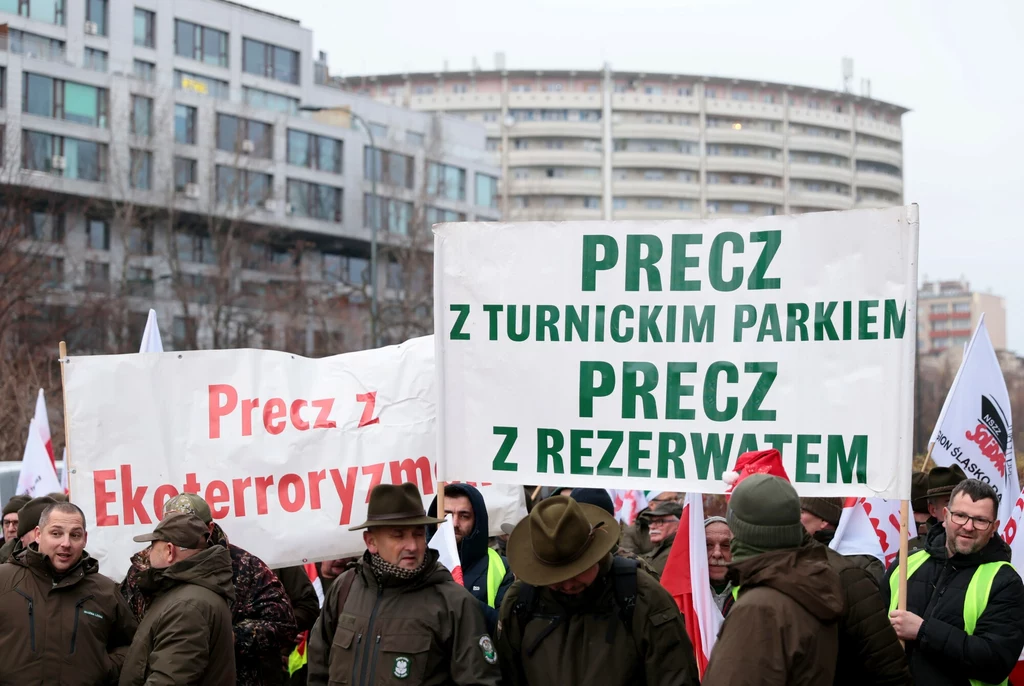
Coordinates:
x,y
590,73
259,11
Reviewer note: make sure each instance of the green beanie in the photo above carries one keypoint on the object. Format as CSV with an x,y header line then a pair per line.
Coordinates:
x,y
15,504
764,513
30,512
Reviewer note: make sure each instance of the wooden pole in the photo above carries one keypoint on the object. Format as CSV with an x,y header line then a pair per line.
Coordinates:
x,y
928,457
440,499
536,492
63,351
901,598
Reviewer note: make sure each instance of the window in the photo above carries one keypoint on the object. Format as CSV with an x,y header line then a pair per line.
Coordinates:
x,y
270,101
710,93
332,267
387,167
592,203
139,282
446,181
192,246
201,84
242,187
53,272
314,200
652,90
96,60
741,208
97,277
77,159
37,47
685,205
962,307
486,190
941,325
246,136
47,97
740,95
184,124
439,216
184,173
271,61
654,175
938,308
45,227
314,152
655,204
181,331
415,139
619,203
96,12
200,43
379,131
141,173
553,88
97,234
145,28
142,116
144,71
424,90
140,240
387,214
50,11
459,88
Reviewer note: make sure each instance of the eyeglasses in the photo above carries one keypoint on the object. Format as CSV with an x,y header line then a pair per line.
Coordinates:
x,y
960,519
10,522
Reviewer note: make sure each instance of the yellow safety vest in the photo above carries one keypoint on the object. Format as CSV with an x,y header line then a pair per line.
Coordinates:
x,y
975,602
495,575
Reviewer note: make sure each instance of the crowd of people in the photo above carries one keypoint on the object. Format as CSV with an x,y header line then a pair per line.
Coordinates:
x,y
566,596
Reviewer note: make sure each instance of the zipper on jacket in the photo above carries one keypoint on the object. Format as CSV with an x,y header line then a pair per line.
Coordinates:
x,y
78,611
355,657
369,632
373,660
31,618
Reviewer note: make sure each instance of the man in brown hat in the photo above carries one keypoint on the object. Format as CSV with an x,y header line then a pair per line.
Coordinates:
x,y
578,615
662,521
397,614
820,517
186,636
941,482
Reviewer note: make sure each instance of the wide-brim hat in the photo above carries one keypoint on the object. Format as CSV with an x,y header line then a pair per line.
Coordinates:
x,y
560,539
942,481
396,506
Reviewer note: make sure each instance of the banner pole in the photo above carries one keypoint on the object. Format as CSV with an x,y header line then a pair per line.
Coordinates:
x,y
928,457
440,499
536,492
63,351
901,601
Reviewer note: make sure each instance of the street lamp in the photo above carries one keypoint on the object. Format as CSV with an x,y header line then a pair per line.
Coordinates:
x,y
376,209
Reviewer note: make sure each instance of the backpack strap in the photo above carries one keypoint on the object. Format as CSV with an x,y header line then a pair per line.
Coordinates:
x,y
624,587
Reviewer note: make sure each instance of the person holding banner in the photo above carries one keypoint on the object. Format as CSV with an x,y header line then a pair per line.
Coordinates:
x,y
61,621
964,622
397,616
579,615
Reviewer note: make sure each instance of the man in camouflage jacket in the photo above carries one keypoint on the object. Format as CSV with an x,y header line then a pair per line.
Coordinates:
x,y
264,623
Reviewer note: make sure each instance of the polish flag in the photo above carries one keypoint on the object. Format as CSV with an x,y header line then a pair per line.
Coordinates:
x,y
628,504
64,473
686,577
869,526
42,421
443,541
37,475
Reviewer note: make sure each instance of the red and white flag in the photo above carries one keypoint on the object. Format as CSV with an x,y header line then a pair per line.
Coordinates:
x,y
42,421
443,541
628,504
687,578
869,526
37,475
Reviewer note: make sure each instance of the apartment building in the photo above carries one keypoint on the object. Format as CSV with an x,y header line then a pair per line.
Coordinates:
x,y
948,312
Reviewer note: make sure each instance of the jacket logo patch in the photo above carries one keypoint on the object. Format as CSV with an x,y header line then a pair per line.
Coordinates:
x,y
401,670
487,648
97,615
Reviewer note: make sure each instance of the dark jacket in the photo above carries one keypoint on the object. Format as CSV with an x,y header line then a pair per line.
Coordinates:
x,y
658,556
869,563
783,630
185,637
302,595
264,623
7,549
474,557
586,641
428,630
943,652
869,650
69,629
637,537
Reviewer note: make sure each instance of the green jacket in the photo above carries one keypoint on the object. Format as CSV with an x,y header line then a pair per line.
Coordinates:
x,y
185,638
70,629
658,556
590,644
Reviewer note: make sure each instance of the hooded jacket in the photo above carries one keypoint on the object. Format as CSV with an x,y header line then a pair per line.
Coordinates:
x,y
943,652
427,630
783,629
185,638
60,629
869,563
474,557
264,622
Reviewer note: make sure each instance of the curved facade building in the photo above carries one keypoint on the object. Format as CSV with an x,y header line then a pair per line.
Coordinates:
x,y
630,145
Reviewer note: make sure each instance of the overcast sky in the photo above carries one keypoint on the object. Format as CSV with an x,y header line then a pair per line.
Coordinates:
x,y
954,64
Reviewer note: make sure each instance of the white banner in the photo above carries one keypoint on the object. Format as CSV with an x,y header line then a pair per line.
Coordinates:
x,y
975,429
869,526
650,355
285,449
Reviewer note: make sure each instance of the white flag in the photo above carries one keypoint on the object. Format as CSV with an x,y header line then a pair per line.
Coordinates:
x,y
975,429
42,421
443,541
37,474
64,472
151,342
628,504
869,526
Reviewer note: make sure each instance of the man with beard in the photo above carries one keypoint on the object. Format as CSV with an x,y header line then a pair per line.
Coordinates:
x,y
963,623
485,573
719,536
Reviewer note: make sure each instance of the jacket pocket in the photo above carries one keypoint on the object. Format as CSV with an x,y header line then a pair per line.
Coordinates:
x,y
31,617
342,658
401,658
74,627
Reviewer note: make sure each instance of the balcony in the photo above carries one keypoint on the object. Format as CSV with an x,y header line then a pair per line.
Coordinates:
x,y
874,127
885,182
545,100
558,129
832,146
873,204
666,214
554,214
828,118
656,160
656,131
744,165
552,186
821,172
820,200
767,139
743,108
656,189
744,193
877,154
558,158
636,102
456,101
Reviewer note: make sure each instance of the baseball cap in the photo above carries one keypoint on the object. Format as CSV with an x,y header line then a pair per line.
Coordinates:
x,y
183,530
189,503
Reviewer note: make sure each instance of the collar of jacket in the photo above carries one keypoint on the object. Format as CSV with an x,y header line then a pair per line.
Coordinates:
x,y
428,576
664,545
995,550
41,566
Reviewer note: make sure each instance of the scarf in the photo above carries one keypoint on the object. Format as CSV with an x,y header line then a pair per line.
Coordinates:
x,y
384,571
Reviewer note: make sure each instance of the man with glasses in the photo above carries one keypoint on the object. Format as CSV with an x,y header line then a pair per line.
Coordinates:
x,y
11,516
662,520
963,623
